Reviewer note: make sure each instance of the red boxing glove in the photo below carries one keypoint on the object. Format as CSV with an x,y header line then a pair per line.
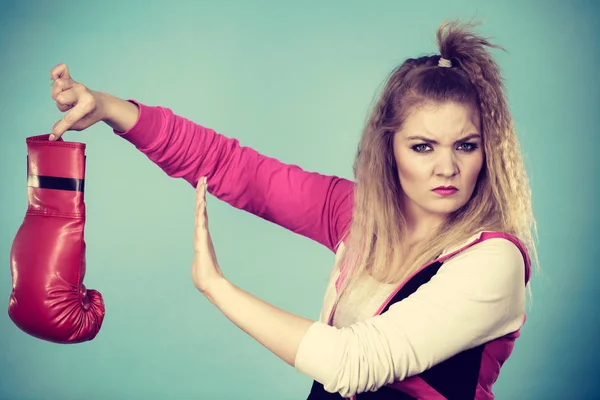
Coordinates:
x,y
49,300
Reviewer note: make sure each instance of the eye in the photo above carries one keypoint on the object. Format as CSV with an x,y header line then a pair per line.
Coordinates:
x,y
468,147
420,148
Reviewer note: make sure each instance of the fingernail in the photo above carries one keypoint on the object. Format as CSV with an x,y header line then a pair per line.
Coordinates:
x,y
52,137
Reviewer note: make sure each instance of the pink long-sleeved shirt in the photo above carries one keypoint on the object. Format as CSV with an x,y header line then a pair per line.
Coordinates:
x,y
307,203
477,297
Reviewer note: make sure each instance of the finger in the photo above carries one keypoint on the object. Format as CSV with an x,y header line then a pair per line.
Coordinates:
x,y
201,215
201,234
61,85
60,71
74,115
66,100
64,108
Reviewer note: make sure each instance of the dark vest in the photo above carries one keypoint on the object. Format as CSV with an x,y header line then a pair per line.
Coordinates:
x,y
458,377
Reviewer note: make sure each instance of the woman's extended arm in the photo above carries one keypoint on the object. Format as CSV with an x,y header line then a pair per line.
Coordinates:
x,y
310,204
476,297
307,203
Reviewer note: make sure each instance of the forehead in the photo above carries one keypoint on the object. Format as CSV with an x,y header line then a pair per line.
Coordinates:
x,y
446,121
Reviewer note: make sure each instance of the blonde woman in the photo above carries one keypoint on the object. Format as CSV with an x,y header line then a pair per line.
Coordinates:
x,y
431,240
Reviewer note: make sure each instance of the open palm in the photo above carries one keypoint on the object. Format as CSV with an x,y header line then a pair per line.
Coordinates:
x,y
205,268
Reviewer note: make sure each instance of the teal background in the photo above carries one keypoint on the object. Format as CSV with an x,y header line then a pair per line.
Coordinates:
x,y
294,80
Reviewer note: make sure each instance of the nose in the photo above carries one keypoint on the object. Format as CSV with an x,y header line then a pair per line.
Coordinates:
x,y
446,165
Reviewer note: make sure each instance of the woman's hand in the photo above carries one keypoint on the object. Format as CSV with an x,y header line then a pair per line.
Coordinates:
x,y
205,269
279,331
82,107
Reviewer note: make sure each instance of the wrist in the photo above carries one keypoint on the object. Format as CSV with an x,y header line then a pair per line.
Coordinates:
x,y
117,113
103,103
215,288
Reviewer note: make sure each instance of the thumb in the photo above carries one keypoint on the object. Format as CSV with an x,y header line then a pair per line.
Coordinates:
x,y
201,214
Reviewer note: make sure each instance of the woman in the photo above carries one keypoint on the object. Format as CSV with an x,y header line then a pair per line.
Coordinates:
x,y
431,241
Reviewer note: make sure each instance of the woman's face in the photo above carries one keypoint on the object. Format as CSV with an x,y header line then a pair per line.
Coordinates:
x,y
439,145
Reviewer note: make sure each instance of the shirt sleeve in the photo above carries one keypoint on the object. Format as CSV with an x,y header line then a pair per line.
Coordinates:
x,y
476,296
307,203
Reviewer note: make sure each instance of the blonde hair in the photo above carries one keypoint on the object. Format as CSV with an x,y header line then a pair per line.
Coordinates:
x,y
501,200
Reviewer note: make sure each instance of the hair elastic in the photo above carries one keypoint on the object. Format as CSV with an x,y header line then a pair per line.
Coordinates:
x,y
444,63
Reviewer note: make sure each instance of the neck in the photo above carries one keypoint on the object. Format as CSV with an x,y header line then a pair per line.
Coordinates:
x,y
422,227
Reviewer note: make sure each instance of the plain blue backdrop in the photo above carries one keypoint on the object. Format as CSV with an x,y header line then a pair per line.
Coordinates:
x,y
294,80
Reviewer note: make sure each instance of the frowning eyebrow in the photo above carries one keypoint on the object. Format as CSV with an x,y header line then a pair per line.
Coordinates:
x,y
431,141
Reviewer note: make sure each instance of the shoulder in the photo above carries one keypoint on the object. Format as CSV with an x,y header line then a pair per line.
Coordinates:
x,y
493,259
488,240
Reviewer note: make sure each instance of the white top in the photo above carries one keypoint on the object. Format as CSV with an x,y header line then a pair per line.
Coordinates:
x,y
362,301
477,296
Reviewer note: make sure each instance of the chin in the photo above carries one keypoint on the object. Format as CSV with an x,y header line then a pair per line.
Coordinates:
x,y
446,209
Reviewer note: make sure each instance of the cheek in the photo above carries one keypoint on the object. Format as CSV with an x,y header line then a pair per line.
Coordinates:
x,y
472,167
410,169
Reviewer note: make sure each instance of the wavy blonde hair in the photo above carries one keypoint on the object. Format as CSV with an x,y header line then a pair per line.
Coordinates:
x,y
501,200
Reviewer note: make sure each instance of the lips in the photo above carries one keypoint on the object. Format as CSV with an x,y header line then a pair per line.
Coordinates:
x,y
445,190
